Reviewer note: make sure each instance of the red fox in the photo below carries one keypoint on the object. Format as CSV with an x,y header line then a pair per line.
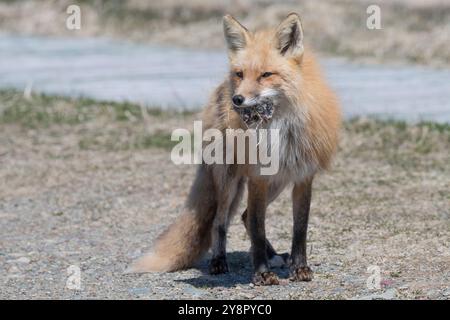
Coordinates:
x,y
271,66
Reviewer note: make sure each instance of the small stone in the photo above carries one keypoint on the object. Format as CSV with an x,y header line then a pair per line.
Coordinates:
x,y
432,294
387,295
139,291
386,282
23,260
194,292
13,269
276,262
245,295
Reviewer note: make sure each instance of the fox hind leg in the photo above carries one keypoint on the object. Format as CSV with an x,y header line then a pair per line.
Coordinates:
x,y
275,259
229,196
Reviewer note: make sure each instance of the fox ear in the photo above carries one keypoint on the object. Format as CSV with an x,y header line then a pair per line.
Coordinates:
x,y
236,34
290,36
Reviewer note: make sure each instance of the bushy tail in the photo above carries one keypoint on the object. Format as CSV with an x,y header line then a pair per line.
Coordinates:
x,y
189,237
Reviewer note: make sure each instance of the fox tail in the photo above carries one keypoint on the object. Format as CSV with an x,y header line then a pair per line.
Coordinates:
x,y
189,237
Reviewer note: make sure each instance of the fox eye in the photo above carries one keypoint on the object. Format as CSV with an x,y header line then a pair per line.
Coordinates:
x,y
266,74
240,74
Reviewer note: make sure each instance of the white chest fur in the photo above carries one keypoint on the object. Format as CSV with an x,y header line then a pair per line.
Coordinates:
x,y
294,149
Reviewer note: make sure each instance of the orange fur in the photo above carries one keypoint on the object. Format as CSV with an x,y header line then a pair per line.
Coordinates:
x,y
183,243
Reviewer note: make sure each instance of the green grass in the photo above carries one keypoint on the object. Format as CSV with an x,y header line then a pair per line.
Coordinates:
x,y
96,124
122,126
423,137
43,110
113,142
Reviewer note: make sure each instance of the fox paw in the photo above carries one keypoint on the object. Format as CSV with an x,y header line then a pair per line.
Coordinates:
x,y
218,265
301,274
265,279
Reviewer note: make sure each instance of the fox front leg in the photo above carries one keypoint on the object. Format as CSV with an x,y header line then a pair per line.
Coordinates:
x,y
257,203
301,197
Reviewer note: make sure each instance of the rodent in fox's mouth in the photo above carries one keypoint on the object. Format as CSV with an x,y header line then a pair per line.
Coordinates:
x,y
262,111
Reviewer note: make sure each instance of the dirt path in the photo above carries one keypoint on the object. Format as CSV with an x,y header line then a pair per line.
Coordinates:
x,y
385,204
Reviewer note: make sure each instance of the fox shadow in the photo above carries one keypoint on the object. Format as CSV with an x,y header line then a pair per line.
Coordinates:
x,y
240,272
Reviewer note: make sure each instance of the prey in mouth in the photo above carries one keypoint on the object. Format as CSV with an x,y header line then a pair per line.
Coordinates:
x,y
261,111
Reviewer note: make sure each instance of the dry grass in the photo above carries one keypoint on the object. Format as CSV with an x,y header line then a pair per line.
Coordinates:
x,y
412,31
76,187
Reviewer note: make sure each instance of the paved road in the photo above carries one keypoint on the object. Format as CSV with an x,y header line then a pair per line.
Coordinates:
x,y
181,78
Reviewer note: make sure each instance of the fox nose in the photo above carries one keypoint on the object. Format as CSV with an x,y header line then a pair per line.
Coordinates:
x,y
238,99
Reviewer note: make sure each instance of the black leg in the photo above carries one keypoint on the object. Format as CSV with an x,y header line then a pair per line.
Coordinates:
x,y
301,197
218,263
269,248
257,203
229,196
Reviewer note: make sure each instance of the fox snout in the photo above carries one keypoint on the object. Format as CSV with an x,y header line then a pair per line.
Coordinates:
x,y
241,101
238,99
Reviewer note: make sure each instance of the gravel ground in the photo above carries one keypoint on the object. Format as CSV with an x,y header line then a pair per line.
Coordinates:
x,y
64,203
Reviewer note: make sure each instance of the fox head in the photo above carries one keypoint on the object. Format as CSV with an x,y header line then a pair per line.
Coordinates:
x,y
263,64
